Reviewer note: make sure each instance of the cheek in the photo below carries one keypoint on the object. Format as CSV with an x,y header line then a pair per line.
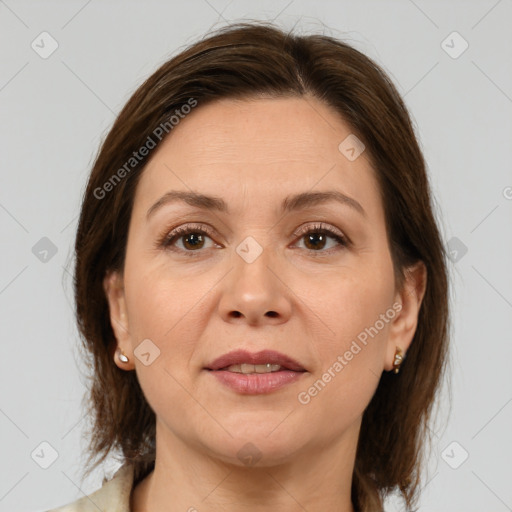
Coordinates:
x,y
354,303
166,310
360,326
170,310
159,302
350,366
352,351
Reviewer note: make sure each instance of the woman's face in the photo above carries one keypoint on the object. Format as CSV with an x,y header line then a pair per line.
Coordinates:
x,y
259,273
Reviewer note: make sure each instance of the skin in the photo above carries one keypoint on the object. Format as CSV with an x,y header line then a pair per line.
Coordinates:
x,y
254,153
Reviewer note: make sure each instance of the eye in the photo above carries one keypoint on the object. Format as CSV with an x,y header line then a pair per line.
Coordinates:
x,y
192,238
316,237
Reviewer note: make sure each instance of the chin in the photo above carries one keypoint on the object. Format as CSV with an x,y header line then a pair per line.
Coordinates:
x,y
261,445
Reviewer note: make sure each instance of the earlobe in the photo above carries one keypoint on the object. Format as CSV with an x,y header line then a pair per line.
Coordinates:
x,y
404,325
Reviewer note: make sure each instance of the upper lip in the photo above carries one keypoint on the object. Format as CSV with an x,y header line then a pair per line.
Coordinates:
x,y
262,357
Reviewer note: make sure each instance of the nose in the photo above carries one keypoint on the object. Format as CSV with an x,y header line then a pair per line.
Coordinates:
x,y
255,292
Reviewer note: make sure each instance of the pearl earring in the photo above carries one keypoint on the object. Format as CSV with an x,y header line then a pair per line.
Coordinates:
x,y
122,356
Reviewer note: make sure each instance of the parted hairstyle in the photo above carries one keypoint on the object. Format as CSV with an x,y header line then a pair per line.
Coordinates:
x,y
244,61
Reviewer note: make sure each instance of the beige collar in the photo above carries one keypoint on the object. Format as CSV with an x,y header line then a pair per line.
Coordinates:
x,y
113,496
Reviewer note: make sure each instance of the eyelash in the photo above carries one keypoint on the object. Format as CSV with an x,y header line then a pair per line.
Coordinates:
x,y
168,239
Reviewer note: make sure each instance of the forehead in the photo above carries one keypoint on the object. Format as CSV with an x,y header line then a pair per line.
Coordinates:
x,y
249,150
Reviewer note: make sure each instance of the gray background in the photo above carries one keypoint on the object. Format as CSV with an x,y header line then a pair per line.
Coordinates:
x,y
56,110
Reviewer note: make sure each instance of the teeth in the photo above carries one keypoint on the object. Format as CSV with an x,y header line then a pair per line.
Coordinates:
x,y
253,368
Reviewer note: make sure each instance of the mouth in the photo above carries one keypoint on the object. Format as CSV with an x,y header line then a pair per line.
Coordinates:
x,y
265,361
257,373
249,369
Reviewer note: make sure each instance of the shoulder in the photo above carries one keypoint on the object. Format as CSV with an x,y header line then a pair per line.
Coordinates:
x,y
114,495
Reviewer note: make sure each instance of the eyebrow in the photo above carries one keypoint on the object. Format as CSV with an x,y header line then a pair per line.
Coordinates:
x,y
290,203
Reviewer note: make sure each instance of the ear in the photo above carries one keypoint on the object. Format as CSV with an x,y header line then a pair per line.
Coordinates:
x,y
407,304
114,291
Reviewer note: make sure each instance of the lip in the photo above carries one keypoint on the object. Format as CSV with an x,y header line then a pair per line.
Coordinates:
x,y
256,383
262,357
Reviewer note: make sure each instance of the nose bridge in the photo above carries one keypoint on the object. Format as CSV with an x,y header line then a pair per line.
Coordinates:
x,y
254,291
252,266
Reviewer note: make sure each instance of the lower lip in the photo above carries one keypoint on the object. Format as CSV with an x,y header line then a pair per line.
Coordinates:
x,y
256,383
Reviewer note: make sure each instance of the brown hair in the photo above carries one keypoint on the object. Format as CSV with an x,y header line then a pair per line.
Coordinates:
x,y
243,61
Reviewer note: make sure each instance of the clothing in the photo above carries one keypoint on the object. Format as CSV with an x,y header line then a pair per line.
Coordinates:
x,y
113,496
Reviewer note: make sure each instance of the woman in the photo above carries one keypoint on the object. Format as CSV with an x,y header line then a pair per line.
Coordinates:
x,y
261,284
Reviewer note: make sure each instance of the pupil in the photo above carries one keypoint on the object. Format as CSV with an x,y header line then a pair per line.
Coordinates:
x,y
198,238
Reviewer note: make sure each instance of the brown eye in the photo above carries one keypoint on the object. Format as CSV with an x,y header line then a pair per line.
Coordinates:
x,y
187,240
317,237
315,241
193,240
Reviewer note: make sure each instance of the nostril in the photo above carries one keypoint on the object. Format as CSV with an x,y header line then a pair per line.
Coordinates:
x,y
271,314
